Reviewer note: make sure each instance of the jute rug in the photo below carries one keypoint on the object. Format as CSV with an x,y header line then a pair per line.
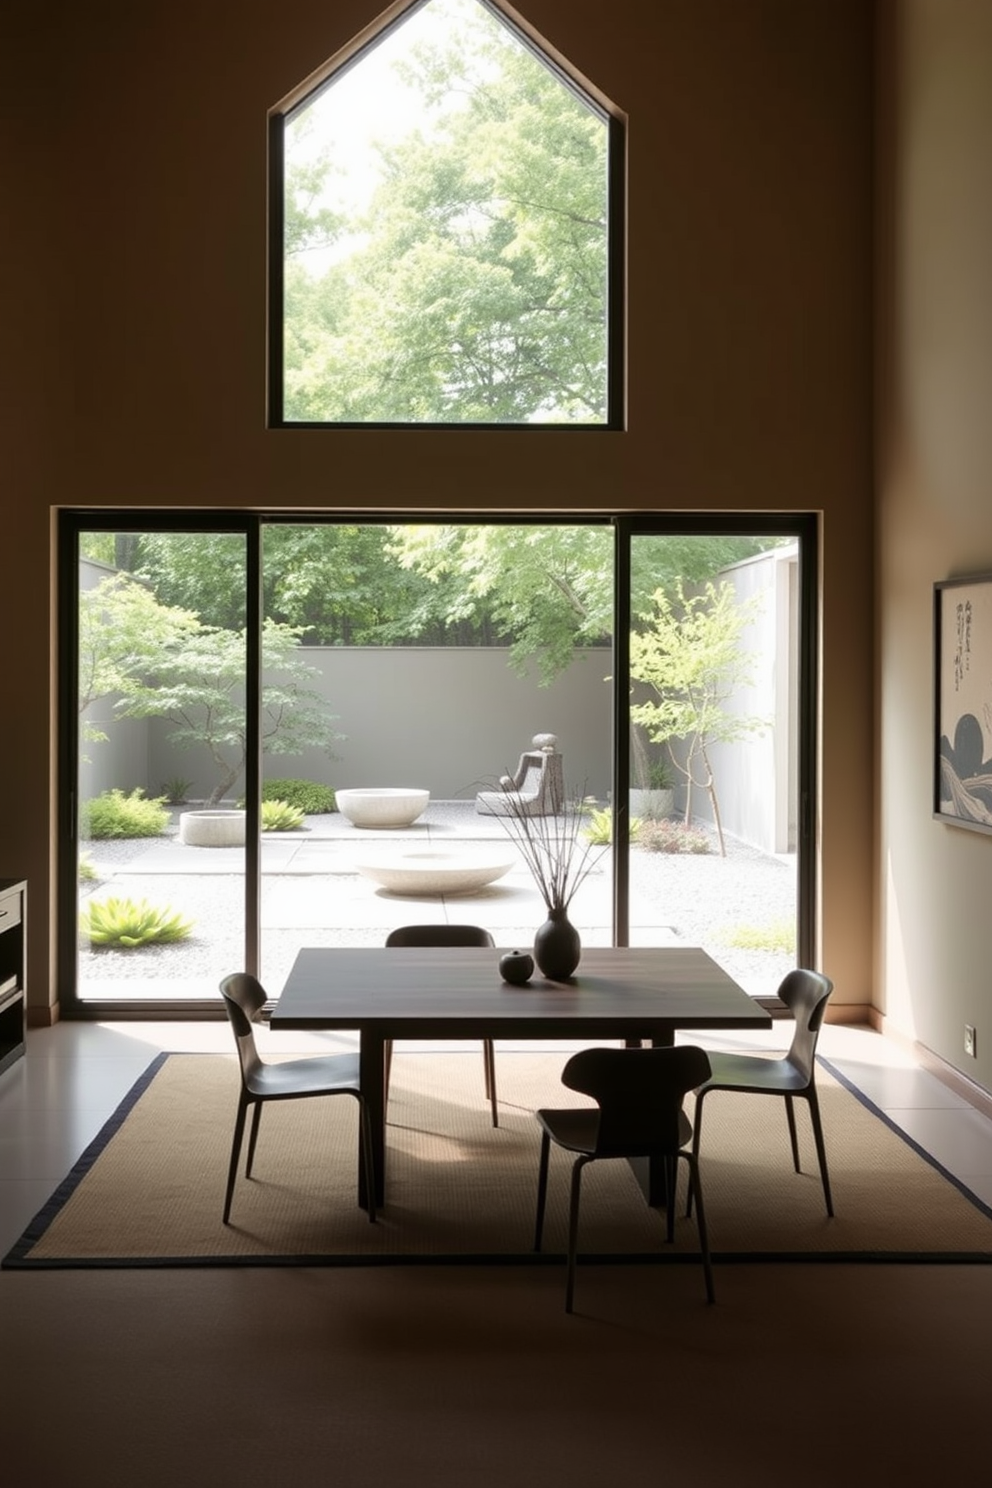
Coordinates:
x,y
149,1191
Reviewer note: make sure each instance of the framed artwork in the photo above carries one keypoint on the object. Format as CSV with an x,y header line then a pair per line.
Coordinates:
x,y
962,633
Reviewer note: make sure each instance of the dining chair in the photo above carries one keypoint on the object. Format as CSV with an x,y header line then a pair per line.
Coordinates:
x,y
791,1075
638,1113
446,935
294,1079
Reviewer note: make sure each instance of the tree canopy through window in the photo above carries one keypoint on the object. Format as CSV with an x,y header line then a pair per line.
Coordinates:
x,y
446,234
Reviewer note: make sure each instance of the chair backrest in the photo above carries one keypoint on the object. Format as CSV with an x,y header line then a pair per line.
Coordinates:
x,y
244,998
439,935
639,1093
805,994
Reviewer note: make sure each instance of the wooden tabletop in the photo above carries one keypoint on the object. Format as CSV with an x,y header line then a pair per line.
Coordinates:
x,y
418,992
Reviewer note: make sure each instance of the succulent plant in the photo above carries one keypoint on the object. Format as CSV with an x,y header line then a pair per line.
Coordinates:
x,y
280,816
128,924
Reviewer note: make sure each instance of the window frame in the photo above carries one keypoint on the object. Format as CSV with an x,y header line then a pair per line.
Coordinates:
x,y
805,527
284,113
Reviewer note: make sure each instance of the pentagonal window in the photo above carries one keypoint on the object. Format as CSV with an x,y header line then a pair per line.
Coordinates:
x,y
445,238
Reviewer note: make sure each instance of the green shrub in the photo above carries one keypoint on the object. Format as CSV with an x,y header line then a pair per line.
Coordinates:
x,y
667,836
780,935
86,869
279,816
600,829
130,923
312,798
113,814
660,775
176,790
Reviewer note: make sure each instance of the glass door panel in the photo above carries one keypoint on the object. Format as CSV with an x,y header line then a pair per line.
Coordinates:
x,y
160,756
427,658
714,749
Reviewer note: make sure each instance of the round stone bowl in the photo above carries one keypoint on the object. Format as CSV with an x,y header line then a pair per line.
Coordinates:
x,y
212,828
382,806
425,873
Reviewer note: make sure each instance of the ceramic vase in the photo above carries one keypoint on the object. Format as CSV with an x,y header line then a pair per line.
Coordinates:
x,y
557,946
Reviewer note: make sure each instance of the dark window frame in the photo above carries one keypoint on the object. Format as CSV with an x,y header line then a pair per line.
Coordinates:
x,y
616,251
805,527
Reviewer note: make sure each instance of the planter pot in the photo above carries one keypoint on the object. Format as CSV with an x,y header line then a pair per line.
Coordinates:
x,y
381,806
212,828
652,805
431,873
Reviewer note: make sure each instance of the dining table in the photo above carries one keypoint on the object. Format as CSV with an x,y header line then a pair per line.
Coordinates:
x,y
634,994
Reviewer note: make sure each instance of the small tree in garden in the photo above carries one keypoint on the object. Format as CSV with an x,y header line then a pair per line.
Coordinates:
x,y
690,656
122,629
159,661
199,687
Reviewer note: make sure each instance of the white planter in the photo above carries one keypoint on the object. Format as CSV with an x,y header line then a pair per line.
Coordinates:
x,y
431,873
652,805
212,828
379,806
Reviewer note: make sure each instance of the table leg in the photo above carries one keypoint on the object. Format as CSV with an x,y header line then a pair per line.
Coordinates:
x,y
370,1076
650,1175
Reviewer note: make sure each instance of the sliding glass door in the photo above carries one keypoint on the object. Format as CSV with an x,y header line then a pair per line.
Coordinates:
x,y
156,681
430,656
720,742
228,677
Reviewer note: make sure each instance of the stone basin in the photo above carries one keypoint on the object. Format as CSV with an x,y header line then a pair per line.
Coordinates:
x,y
381,806
212,828
426,872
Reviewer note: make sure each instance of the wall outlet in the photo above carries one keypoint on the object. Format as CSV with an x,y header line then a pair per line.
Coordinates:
x,y
969,1039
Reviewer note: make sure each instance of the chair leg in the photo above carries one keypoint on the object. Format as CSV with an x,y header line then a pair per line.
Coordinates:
x,y
387,1069
542,1189
671,1184
790,1116
489,1061
821,1151
704,1244
697,1123
253,1138
573,1228
368,1166
232,1171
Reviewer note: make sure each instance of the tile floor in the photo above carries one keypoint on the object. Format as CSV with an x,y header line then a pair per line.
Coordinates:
x,y
54,1101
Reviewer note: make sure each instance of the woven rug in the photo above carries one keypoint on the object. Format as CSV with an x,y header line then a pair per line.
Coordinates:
x,y
149,1190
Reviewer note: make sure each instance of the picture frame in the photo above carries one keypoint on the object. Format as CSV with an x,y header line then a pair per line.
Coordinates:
x,y
962,649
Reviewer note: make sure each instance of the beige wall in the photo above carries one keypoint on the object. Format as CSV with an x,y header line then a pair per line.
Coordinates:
x,y
134,324
935,499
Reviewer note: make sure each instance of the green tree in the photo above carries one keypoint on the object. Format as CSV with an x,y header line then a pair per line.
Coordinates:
x,y
161,661
550,589
474,289
692,660
122,630
543,591
201,571
199,685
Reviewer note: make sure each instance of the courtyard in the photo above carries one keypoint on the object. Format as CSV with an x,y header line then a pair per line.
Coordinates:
x,y
313,894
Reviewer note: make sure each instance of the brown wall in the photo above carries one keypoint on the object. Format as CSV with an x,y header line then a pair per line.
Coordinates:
x,y
934,498
140,132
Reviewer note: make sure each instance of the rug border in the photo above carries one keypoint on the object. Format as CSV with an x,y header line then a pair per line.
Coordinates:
x,y
18,1257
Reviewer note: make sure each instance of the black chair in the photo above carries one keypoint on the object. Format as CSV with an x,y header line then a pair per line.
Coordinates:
x,y
295,1079
446,935
791,1075
639,1093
